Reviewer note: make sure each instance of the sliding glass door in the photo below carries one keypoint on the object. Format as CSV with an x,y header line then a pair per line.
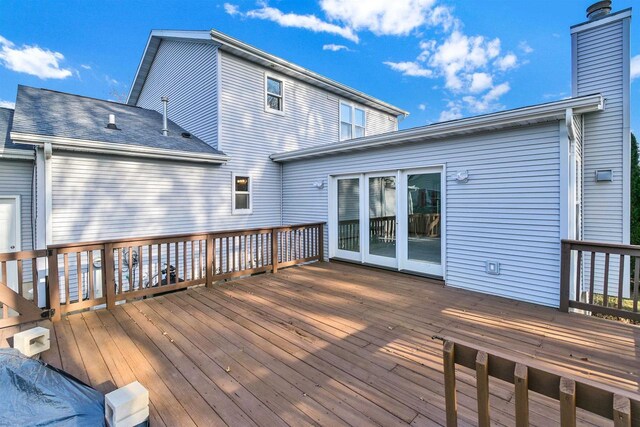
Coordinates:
x,y
392,219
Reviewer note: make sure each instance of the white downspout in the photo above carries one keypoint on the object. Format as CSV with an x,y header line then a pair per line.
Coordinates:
x,y
48,188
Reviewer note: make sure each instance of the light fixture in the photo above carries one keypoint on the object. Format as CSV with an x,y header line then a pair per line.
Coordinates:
x,y
604,175
318,184
462,176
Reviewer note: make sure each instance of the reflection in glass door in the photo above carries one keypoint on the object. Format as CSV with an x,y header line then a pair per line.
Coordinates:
x,y
348,195
424,222
381,192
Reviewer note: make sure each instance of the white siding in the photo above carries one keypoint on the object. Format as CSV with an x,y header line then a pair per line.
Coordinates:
x,y
186,73
16,180
599,60
508,211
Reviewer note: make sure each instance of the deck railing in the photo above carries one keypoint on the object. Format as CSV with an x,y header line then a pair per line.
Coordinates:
x,y
85,275
618,405
595,277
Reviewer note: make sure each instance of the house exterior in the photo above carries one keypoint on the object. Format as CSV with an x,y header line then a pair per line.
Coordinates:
x,y
255,141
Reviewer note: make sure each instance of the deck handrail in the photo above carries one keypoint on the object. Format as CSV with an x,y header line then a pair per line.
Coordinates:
x,y
586,271
621,406
86,274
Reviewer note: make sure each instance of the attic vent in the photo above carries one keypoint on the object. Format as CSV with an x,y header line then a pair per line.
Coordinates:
x,y
186,135
112,122
598,10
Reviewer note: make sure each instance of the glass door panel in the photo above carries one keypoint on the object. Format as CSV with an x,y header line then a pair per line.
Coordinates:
x,y
424,222
381,192
348,217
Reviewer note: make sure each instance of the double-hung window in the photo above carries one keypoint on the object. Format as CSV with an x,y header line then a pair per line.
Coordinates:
x,y
242,193
274,95
352,121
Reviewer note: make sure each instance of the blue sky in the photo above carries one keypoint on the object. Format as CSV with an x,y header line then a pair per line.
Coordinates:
x,y
436,59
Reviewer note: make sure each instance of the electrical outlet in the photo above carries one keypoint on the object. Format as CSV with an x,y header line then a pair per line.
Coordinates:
x,y
492,267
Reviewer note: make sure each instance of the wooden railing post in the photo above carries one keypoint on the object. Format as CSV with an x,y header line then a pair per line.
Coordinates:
x,y
621,411
482,388
521,379
321,242
54,287
565,276
209,258
109,276
450,398
274,250
567,402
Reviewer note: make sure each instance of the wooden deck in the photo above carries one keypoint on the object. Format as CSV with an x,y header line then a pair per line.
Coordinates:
x,y
329,344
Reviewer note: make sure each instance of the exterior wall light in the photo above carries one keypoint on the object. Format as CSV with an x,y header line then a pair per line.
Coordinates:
x,y
462,176
318,184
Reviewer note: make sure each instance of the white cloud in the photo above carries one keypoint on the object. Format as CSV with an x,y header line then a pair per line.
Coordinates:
x,y
33,60
294,20
480,82
86,67
7,104
231,9
422,107
409,68
453,112
507,62
635,67
488,101
524,47
383,17
334,47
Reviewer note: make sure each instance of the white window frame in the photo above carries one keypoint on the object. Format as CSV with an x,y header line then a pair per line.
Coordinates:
x,y
353,108
268,109
235,211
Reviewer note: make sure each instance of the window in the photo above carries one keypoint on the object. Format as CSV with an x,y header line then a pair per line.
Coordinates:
x,y
274,95
242,193
352,121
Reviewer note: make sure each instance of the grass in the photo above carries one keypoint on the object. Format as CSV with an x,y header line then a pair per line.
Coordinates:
x,y
627,304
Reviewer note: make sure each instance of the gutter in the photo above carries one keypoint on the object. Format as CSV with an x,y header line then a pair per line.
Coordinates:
x,y
12,153
554,110
89,146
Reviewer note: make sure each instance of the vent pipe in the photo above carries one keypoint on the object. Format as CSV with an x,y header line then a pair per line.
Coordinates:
x,y
598,10
165,111
112,122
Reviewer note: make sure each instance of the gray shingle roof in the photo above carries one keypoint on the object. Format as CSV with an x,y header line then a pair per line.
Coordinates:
x,y
6,118
50,113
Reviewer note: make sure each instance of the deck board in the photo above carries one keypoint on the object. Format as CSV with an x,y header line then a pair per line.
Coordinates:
x,y
329,344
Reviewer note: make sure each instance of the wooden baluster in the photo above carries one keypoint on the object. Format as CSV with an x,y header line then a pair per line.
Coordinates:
x,y
228,269
130,268
193,268
140,268
177,257
482,388
119,250
210,256
66,278
579,276
274,249
79,279
605,289
159,260
621,411
215,258
451,403
567,402
35,279
620,280
109,275
592,274
150,266
636,284
168,274
20,278
521,381
184,261
221,257
53,282
202,270
3,267
91,293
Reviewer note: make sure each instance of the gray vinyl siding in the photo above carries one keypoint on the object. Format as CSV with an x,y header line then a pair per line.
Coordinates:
x,y
187,73
16,180
509,211
599,61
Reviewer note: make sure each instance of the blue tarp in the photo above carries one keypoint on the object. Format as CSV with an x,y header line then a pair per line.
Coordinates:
x,y
33,393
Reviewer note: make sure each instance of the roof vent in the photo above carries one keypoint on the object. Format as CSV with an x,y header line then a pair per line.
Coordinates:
x,y
598,10
186,135
165,108
112,122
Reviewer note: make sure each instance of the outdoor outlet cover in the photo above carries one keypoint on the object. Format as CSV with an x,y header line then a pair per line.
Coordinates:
x,y
492,267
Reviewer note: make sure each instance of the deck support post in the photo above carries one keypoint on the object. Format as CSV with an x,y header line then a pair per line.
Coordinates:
x,y
54,287
321,242
274,250
448,356
567,402
109,276
482,389
565,276
521,380
621,411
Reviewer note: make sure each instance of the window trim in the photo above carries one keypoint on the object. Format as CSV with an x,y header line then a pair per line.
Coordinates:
x,y
235,211
268,109
353,108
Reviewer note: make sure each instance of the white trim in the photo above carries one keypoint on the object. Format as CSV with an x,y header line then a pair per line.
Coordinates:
x,y
353,106
12,153
219,98
89,146
235,211
564,151
625,13
333,218
574,65
626,135
505,119
367,257
18,221
40,202
268,109
48,190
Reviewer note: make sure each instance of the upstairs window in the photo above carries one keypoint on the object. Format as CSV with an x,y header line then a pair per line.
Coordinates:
x,y
274,95
242,193
352,121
